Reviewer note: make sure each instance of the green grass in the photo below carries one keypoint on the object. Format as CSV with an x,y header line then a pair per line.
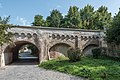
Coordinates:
x,y
93,69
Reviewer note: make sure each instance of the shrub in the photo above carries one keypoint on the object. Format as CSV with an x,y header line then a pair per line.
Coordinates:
x,y
96,52
74,54
104,51
100,52
117,52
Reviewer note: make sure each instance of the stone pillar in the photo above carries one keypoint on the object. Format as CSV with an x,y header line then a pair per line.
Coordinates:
x,y
38,40
2,60
103,43
79,41
0,55
45,47
39,45
76,41
41,52
46,51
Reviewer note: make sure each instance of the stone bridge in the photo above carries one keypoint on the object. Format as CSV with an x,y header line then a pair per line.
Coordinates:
x,y
49,39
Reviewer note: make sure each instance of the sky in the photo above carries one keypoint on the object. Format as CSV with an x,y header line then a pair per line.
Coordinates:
x,y
22,12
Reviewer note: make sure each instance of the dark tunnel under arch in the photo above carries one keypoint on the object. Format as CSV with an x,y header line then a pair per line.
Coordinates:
x,y
11,51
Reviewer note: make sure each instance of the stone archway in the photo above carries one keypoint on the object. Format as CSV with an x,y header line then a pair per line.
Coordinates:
x,y
11,51
88,49
59,49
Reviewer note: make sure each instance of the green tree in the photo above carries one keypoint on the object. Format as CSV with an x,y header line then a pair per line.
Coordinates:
x,y
72,19
5,20
113,33
55,18
38,21
87,17
102,18
4,35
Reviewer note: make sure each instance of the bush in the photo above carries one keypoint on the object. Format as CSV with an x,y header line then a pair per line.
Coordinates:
x,y
104,51
96,52
74,54
117,52
99,52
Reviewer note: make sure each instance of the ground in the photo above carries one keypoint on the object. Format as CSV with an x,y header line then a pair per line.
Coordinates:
x,y
32,72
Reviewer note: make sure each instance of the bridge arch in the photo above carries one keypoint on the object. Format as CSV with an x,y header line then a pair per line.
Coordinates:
x,y
60,48
11,51
87,50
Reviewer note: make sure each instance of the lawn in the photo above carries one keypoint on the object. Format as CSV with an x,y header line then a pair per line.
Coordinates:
x,y
93,69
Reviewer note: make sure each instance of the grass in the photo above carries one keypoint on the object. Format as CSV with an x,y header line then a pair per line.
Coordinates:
x,y
93,69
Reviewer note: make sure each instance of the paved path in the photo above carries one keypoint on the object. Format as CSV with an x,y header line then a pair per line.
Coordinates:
x,y
32,72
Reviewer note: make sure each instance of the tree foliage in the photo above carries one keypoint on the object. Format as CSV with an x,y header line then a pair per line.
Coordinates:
x,y
113,34
38,21
87,16
4,35
55,18
72,19
4,20
102,18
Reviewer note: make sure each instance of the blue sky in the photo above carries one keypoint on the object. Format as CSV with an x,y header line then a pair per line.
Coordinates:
x,y
22,12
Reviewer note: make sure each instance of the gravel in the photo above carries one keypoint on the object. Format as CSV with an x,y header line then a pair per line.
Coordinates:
x,y
32,72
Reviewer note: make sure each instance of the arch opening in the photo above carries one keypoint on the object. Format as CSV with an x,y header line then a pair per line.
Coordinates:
x,y
59,49
87,51
22,51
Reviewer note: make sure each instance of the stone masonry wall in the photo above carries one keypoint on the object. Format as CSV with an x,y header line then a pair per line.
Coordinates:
x,y
45,38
